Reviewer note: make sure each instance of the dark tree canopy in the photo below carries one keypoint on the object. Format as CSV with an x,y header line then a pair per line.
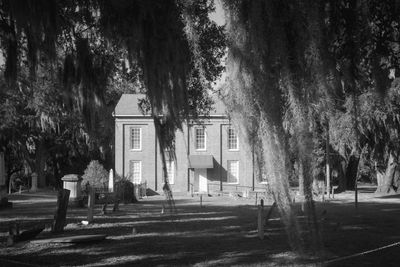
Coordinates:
x,y
294,68
95,50
173,43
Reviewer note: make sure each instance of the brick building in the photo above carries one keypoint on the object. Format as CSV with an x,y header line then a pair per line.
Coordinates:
x,y
209,156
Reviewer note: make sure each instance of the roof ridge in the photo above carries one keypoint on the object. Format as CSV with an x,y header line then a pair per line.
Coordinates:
x,y
126,106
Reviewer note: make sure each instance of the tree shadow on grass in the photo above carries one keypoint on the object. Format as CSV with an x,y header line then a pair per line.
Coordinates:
x,y
214,235
211,235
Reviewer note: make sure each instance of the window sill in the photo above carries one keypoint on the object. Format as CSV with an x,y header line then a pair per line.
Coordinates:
x,y
135,150
201,150
233,150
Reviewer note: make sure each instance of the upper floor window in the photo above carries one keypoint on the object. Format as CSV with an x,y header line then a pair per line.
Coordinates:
x,y
233,139
233,171
200,138
136,138
171,171
135,171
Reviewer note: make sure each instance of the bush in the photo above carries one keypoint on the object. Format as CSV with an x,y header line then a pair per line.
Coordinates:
x,y
124,190
95,175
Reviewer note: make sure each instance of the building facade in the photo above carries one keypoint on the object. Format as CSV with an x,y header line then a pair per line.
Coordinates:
x,y
210,156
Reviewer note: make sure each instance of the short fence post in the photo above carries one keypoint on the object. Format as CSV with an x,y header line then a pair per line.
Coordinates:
x,y
260,222
270,212
201,200
104,208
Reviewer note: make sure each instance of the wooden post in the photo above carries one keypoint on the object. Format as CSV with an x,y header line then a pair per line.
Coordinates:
x,y
260,222
60,217
201,200
2,176
356,194
116,204
270,212
90,204
104,209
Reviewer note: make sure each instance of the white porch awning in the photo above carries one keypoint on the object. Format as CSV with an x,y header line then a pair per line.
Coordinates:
x,y
201,161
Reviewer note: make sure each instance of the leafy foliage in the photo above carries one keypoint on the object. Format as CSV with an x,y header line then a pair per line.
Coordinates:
x,y
92,52
95,175
124,190
294,67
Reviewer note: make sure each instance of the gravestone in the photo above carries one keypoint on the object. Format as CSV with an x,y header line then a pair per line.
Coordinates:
x,y
72,182
111,181
4,203
60,217
34,182
90,204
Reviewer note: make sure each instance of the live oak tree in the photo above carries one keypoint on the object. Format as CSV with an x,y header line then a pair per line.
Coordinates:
x,y
312,61
38,131
301,58
91,46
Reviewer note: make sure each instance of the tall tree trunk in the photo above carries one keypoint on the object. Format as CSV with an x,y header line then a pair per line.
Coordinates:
x,y
3,185
301,179
351,172
342,182
276,162
387,182
305,146
40,163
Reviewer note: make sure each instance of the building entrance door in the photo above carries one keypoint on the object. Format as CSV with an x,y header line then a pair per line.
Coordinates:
x,y
200,179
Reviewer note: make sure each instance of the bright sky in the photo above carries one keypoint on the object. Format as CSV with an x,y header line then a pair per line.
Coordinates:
x,y
218,15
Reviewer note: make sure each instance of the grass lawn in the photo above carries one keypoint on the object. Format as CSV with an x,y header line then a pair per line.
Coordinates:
x,y
222,232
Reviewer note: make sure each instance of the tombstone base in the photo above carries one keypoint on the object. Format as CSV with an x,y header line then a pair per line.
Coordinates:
x,y
3,191
76,202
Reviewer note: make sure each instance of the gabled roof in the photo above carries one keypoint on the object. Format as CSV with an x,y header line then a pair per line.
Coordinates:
x,y
128,106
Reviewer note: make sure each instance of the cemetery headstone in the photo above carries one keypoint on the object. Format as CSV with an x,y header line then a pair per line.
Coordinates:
x,y
60,217
111,181
34,182
72,182
91,204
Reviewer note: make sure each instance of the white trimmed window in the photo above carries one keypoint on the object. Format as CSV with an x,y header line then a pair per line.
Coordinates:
x,y
135,171
136,138
171,171
233,171
200,138
233,139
